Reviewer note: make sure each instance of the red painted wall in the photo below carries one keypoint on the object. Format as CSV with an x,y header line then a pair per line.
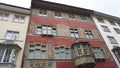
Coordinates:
x,y
65,65
108,64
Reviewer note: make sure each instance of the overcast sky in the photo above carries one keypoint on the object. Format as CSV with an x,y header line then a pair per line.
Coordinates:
x,y
111,7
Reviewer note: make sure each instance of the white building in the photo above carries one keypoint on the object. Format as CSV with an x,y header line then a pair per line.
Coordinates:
x,y
13,29
109,27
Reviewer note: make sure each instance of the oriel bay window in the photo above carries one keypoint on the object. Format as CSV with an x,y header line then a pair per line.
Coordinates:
x,y
116,51
7,55
46,30
98,53
37,51
62,52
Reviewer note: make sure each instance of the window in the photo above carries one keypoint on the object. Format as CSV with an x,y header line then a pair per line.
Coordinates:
x,y
117,30
100,20
37,51
42,12
12,35
62,53
19,19
58,15
98,53
74,33
112,40
83,18
4,16
118,23
116,51
71,17
46,30
7,55
89,34
82,49
112,22
105,28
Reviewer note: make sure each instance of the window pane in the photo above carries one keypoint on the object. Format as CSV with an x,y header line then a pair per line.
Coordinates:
x,y
15,36
1,53
9,35
7,55
37,53
38,30
44,31
31,54
43,54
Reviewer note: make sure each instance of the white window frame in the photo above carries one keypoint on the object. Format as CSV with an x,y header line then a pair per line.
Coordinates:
x,y
4,16
19,19
13,36
112,40
74,33
105,28
11,58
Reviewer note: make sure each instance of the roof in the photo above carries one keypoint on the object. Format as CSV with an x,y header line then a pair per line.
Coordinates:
x,y
13,8
59,7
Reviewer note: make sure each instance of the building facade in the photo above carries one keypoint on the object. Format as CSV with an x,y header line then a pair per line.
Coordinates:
x,y
13,29
62,36
109,27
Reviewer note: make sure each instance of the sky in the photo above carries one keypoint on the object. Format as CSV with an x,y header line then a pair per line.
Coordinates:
x,y
111,7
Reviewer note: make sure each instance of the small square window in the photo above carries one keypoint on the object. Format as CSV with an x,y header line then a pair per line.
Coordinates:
x,y
71,16
100,19
4,16
112,40
83,18
117,30
42,12
112,22
58,15
105,28
19,19
12,35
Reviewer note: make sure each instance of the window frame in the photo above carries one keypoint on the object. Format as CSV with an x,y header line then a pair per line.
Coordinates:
x,y
101,20
20,19
83,18
89,34
4,16
75,33
117,30
71,17
105,28
58,14
112,40
39,30
12,36
42,12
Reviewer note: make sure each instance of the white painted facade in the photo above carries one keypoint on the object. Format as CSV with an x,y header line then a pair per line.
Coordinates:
x,y
111,33
9,25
